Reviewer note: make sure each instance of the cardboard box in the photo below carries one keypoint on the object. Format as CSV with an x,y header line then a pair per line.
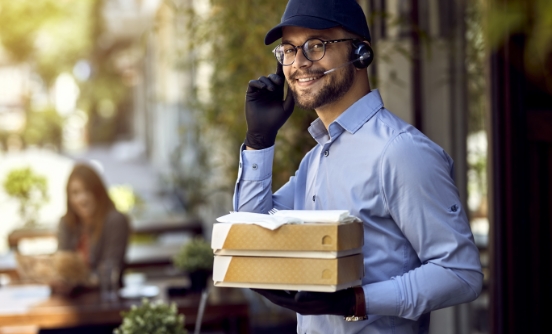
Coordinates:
x,y
288,273
309,240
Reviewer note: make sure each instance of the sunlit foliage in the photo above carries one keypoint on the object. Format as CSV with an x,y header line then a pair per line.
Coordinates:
x,y
533,20
51,35
475,67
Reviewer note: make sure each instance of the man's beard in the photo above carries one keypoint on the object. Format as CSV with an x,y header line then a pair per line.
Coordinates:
x,y
334,90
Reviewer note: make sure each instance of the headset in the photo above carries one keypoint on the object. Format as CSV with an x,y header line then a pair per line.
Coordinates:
x,y
362,55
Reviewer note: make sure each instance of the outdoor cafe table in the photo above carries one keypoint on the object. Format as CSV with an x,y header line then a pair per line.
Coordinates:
x,y
226,309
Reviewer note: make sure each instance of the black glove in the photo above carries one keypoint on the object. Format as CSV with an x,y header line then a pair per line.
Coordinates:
x,y
265,109
341,302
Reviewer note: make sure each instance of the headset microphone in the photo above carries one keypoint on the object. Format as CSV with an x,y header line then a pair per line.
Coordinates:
x,y
345,64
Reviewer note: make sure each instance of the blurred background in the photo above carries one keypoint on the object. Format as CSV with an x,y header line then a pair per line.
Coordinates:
x,y
151,93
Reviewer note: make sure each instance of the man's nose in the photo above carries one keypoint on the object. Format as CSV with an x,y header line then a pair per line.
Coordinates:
x,y
300,59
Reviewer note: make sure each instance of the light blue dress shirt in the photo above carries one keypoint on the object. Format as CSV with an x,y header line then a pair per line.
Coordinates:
x,y
419,253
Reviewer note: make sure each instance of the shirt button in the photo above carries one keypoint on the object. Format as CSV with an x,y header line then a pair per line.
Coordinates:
x,y
326,153
255,166
313,198
240,165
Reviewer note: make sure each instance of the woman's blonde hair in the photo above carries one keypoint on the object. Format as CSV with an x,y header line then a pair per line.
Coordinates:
x,y
93,183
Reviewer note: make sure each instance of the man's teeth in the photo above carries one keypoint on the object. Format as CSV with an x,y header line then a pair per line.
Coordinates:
x,y
306,79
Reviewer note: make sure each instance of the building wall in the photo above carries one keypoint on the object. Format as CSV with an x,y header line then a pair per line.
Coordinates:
x,y
421,79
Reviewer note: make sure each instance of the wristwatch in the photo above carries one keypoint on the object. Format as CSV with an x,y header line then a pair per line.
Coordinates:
x,y
360,306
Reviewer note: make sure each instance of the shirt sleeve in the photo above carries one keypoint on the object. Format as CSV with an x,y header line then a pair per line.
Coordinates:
x,y
253,190
423,200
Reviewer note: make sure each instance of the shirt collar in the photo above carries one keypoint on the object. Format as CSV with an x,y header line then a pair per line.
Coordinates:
x,y
351,119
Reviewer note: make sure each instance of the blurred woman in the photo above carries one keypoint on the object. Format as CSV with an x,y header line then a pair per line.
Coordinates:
x,y
92,226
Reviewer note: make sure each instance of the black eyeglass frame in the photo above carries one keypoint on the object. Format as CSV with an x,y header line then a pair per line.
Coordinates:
x,y
302,47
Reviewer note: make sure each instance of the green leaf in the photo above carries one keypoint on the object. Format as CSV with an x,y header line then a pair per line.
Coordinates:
x,y
152,317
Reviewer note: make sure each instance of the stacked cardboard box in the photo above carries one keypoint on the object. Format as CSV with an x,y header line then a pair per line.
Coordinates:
x,y
309,256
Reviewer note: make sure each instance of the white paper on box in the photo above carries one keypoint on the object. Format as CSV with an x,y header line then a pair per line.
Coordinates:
x,y
318,216
282,217
270,222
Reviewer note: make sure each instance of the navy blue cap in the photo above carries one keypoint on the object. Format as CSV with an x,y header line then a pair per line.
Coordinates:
x,y
322,14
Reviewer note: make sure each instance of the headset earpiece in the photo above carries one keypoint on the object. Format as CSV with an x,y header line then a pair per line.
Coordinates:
x,y
362,49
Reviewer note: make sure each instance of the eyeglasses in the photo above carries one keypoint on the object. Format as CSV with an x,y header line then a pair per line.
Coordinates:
x,y
314,49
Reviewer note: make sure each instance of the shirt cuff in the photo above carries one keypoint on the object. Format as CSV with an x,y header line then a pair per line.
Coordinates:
x,y
382,298
256,165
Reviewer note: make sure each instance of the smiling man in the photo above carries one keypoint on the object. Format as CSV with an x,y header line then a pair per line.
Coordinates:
x,y
419,253
311,88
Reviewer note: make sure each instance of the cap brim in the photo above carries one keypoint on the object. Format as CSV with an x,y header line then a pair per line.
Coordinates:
x,y
298,21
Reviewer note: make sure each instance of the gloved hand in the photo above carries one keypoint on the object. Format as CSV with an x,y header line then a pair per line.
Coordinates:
x,y
313,303
265,109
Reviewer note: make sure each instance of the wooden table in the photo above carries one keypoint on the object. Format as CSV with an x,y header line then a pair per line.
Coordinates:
x,y
226,310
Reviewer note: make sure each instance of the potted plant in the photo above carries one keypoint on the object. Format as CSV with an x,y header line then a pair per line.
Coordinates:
x,y
153,318
30,190
195,258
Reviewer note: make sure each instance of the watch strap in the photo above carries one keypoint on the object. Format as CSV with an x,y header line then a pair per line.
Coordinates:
x,y
360,306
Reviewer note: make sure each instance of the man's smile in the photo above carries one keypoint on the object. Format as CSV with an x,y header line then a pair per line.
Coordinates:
x,y
307,79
